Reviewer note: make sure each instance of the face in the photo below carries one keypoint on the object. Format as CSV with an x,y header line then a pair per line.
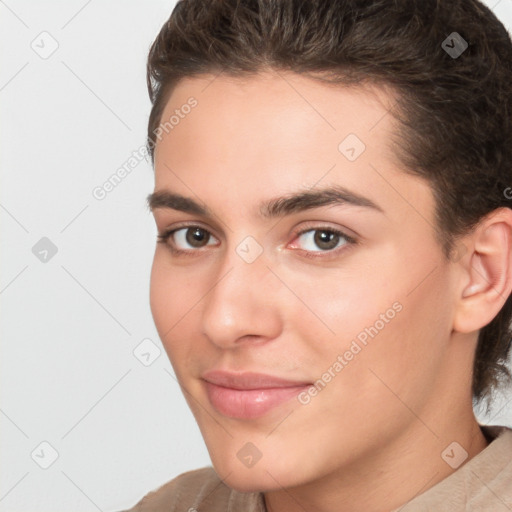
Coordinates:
x,y
298,287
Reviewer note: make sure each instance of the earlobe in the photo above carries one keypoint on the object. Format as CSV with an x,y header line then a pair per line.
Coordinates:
x,y
488,272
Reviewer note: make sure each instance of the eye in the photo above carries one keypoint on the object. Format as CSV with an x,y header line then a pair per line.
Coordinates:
x,y
188,238
321,240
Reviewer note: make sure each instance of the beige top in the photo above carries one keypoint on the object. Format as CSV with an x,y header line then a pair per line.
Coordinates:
x,y
483,484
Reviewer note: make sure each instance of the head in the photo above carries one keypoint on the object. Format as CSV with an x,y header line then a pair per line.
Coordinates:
x,y
343,179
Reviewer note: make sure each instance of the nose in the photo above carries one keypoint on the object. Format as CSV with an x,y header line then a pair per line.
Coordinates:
x,y
240,307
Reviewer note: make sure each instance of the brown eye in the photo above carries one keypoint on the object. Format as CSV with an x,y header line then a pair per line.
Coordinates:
x,y
188,238
322,240
196,237
326,240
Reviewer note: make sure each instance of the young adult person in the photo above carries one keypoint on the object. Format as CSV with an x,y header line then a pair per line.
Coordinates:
x,y
334,268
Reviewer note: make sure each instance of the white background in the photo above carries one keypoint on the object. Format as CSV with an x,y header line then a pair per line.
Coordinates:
x,y
70,325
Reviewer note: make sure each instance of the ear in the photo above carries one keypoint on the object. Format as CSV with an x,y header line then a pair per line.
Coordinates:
x,y
486,277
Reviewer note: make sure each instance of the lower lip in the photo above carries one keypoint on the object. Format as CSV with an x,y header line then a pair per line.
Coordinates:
x,y
249,403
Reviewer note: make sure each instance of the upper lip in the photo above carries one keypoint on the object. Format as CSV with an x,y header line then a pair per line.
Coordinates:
x,y
249,380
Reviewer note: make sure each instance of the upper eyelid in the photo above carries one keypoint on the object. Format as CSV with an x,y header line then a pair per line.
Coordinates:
x,y
295,232
192,224
319,225
217,228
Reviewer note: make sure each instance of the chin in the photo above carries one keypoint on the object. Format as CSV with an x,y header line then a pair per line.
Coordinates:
x,y
265,475
249,480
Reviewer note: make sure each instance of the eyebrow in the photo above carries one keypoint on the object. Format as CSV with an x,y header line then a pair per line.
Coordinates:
x,y
276,207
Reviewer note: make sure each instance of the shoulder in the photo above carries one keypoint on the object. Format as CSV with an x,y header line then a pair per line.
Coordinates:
x,y
197,491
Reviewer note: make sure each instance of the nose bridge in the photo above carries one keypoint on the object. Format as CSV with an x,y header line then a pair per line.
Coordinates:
x,y
239,303
239,283
244,269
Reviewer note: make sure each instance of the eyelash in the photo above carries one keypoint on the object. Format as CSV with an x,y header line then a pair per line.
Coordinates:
x,y
164,237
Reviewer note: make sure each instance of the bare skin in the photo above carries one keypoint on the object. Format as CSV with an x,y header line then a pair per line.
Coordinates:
x,y
372,438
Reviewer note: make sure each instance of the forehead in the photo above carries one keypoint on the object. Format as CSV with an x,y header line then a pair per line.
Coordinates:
x,y
263,135
284,104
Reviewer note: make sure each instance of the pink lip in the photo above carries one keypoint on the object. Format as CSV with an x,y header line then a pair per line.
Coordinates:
x,y
248,395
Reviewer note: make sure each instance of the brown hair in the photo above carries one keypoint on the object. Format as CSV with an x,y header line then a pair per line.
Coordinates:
x,y
454,111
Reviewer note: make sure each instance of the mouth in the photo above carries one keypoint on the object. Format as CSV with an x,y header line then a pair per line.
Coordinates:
x,y
248,395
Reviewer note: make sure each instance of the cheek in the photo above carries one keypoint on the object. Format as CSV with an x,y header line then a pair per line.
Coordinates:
x,y
342,303
173,295
399,349
380,322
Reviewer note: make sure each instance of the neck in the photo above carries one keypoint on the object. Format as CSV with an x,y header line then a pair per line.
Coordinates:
x,y
394,475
